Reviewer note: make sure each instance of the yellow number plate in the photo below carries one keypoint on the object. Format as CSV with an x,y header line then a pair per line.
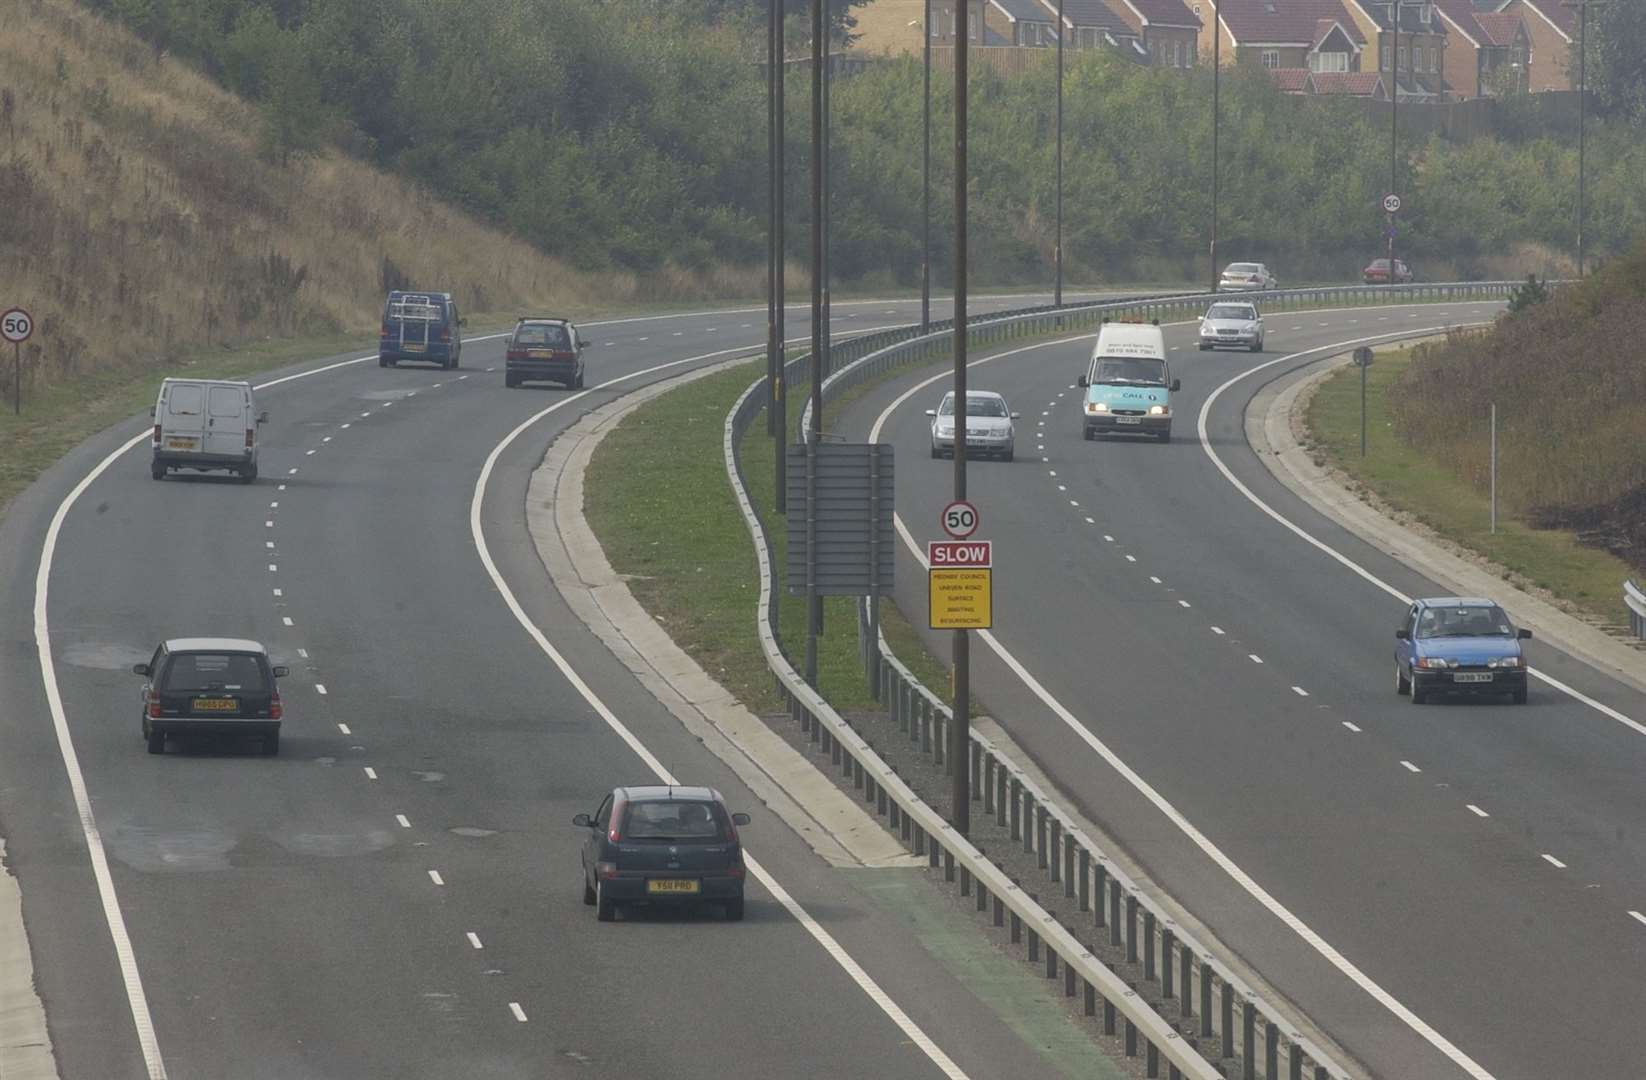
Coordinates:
x,y
672,886
206,704
544,353
414,348
180,444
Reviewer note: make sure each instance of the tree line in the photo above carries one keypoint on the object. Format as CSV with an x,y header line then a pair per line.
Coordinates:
x,y
630,134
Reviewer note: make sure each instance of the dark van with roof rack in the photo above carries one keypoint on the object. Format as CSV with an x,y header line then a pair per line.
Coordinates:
x,y
421,326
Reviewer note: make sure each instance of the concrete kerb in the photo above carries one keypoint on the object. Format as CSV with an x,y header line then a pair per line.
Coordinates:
x,y
25,1042
1273,420
835,827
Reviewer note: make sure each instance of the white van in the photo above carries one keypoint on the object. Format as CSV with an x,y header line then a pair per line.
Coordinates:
x,y
205,424
1128,384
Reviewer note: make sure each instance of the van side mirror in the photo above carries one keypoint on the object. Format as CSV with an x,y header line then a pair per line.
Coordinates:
x,y
462,321
281,671
1177,384
584,820
151,412
1403,634
139,669
1523,634
1083,381
740,819
263,417
1017,416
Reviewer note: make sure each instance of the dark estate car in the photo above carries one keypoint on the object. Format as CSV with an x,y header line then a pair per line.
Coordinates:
x,y
1459,645
210,686
662,845
544,350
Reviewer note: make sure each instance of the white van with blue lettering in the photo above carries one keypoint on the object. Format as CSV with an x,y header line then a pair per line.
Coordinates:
x,y
1128,384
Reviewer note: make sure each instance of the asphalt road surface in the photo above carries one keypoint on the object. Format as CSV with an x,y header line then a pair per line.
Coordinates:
x,y
397,893
1481,865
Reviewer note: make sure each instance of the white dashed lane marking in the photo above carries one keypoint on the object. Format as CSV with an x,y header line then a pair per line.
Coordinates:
x,y
1256,659
275,505
1477,811
1409,767
1154,579
268,524
279,592
304,653
1182,603
1108,539
291,472
1554,862
269,544
434,876
320,688
1637,917
519,1013
1090,521
1351,727
345,427
1299,691
326,439
403,821
344,728
1131,558
474,940
285,620
371,773
282,487
273,568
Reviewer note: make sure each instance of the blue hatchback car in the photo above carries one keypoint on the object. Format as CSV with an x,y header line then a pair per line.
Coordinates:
x,y
1459,645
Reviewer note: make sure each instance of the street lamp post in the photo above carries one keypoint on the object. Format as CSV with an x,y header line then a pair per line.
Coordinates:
x,y
1057,250
778,411
814,602
926,176
960,730
1217,68
1394,127
1582,7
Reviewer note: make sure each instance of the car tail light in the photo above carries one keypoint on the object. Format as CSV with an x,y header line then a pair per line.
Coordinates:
x,y
607,870
446,334
616,833
735,869
275,708
154,704
387,331
515,354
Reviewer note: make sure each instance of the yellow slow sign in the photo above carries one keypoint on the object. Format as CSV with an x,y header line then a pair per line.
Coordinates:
x,y
961,599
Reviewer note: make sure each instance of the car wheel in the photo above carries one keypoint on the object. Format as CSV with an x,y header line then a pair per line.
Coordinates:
x,y
1257,346
578,385
1008,455
588,891
1401,685
1086,433
1164,436
157,471
936,453
510,381
604,910
1205,347
271,744
1520,696
1418,695
156,741
393,362
734,910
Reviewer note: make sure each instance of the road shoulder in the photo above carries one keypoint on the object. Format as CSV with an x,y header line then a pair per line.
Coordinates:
x,y
835,827
1274,421
25,1043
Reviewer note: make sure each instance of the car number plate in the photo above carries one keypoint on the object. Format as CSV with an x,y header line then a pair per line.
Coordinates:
x,y
211,704
672,885
540,353
413,348
1472,676
179,444
1128,419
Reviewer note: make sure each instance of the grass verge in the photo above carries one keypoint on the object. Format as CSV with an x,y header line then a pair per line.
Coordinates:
x,y
658,498
1587,580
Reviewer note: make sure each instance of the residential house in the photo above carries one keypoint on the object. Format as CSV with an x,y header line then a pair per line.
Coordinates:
x,y
1024,23
1168,30
895,26
1483,44
1093,24
1286,36
1415,64
1360,84
1552,29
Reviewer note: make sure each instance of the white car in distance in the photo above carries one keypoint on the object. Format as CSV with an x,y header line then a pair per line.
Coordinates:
x,y
989,427
1232,324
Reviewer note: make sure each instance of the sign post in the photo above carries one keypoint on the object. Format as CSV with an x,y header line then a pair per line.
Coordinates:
x,y
1391,207
16,326
1363,360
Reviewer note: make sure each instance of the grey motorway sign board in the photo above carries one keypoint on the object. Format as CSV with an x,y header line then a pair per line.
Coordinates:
x,y
851,520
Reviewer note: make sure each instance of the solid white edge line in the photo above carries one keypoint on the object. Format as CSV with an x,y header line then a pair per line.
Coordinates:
x,y
853,970
1638,917
1175,816
1344,560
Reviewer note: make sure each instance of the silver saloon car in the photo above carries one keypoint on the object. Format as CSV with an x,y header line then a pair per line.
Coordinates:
x,y
1232,325
1247,277
988,426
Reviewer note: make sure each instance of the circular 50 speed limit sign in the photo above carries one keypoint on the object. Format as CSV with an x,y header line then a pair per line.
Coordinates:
x,y
16,325
960,519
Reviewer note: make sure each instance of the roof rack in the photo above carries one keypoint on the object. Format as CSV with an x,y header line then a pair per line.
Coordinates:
x,y
415,306
542,318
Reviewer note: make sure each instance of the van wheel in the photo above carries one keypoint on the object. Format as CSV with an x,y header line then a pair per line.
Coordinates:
x,y
157,471
157,742
248,475
382,361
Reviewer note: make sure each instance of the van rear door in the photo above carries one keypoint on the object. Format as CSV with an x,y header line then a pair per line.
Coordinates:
x,y
183,419
228,418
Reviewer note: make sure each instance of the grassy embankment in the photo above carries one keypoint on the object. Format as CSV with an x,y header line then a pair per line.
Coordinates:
x,y
1570,394
697,574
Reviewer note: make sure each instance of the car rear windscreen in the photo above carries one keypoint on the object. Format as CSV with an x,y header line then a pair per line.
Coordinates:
x,y
231,672
673,819
553,337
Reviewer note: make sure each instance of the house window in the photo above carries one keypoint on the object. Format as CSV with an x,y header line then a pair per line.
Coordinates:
x,y
1423,14
1518,54
1385,58
1271,58
1402,59
1329,63
1177,54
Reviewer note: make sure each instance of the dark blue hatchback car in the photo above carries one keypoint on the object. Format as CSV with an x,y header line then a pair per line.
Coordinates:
x,y
1459,645
423,326
662,845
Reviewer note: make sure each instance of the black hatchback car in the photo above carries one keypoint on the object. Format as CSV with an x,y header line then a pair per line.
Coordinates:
x,y
211,686
662,845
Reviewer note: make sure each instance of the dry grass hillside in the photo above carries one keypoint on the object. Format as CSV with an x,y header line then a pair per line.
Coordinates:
x,y
137,218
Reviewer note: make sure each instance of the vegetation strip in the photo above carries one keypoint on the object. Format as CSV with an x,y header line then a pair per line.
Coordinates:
x,y
1411,482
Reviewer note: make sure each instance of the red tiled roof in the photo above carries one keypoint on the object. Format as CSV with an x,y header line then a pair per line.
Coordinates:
x,y
1563,17
1283,22
1499,27
1290,80
1096,13
1165,13
1355,83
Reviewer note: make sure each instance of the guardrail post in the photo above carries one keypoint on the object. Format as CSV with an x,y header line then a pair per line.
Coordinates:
x,y
919,840
1148,945
1090,1002
1206,1000
834,750
948,865
1069,847
1000,807
999,911
1114,913
1040,835
1248,1039
1028,820
1108,1016
1131,929
1166,940
1085,885
1017,928
974,759
1151,1058
1131,1038
1228,1021
982,896
1271,1050
1017,806
1034,944
1295,1060
988,783
1186,977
